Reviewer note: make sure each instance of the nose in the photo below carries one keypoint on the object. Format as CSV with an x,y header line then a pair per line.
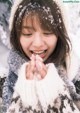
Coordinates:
x,y
38,40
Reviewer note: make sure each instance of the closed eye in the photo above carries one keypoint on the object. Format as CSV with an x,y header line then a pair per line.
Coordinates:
x,y
26,34
48,33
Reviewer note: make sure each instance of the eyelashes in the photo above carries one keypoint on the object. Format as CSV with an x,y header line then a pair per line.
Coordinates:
x,y
27,34
30,34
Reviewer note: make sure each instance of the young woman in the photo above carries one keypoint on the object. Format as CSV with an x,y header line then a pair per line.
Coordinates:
x,y
42,76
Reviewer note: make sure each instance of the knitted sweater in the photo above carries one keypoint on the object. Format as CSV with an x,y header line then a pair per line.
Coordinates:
x,y
56,93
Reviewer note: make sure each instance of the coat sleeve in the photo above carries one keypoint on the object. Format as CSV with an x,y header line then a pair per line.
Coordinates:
x,y
24,97
53,93
48,95
76,82
8,89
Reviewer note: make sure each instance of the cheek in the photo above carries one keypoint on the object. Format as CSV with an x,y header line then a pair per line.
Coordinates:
x,y
53,43
24,43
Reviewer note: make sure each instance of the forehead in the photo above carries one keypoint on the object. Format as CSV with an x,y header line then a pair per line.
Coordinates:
x,y
31,21
30,18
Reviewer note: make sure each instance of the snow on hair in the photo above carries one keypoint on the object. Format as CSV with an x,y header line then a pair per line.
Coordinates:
x,y
63,12
17,2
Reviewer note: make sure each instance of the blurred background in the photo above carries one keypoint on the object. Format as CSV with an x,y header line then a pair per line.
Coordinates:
x,y
73,23
5,7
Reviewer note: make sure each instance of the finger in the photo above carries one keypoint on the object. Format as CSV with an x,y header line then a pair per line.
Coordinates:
x,y
39,77
29,73
31,77
30,70
39,58
42,69
33,57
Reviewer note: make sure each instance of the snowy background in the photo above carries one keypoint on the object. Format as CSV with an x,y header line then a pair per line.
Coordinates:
x,y
5,7
73,23
73,15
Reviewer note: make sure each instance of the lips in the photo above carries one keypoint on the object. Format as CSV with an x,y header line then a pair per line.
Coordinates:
x,y
38,52
41,53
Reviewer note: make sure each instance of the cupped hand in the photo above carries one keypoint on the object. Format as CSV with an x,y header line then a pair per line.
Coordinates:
x,y
36,67
30,69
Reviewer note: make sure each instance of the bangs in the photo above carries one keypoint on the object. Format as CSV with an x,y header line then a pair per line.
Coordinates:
x,y
43,15
42,18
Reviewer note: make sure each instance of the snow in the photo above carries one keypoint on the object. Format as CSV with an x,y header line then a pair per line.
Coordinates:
x,y
75,44
73,23
3,71
73,11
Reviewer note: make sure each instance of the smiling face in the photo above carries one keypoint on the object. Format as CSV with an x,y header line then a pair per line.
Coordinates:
x,y
38,28
35,40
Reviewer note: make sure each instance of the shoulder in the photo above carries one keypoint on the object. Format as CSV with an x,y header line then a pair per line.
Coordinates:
x,y
12,78
9,82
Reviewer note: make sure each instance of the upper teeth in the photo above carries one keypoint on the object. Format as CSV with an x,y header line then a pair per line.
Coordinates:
x,y
38,52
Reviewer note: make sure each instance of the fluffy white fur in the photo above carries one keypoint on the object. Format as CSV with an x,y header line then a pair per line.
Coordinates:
x,y
26,88
46,90
50,87
73,63
13,10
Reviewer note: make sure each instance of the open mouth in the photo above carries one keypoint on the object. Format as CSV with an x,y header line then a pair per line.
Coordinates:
x,y
41,53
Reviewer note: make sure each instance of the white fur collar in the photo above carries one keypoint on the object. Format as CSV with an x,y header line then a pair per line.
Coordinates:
x,y
73,64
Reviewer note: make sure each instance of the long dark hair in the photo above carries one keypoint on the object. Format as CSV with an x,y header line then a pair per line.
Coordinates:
x,y
50,17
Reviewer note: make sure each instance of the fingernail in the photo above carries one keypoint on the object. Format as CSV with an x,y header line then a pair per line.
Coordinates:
x,y
33,57
39,58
